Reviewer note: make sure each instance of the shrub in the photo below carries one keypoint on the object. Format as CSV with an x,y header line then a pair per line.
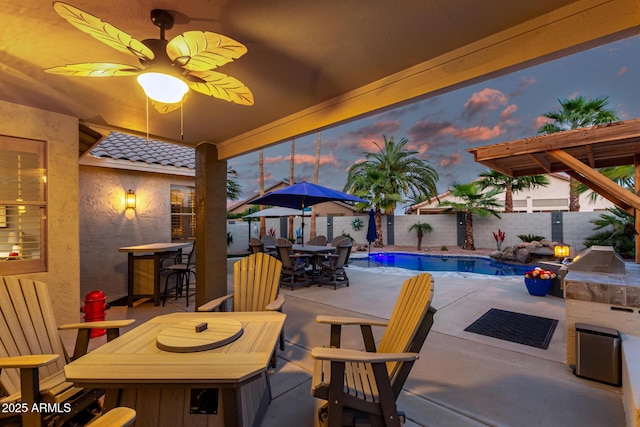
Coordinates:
x,y
348,236
444,248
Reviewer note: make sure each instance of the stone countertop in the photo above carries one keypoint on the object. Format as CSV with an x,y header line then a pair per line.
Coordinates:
x,y
606,288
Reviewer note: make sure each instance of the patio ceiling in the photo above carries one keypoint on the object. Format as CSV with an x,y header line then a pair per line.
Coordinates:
x,y
310,65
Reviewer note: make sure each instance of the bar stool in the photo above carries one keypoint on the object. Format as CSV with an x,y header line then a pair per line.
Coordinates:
x,y
182,271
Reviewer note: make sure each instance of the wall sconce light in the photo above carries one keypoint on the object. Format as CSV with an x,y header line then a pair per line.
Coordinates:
x,y
561,251
130,200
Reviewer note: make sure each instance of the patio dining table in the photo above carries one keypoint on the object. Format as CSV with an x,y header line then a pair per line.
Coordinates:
x,y
316,252
174,378
143,271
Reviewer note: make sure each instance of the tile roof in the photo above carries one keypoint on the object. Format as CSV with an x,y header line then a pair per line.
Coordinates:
x,y
133,148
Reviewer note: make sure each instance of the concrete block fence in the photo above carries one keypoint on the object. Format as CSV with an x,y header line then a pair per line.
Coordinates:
x,y
571,228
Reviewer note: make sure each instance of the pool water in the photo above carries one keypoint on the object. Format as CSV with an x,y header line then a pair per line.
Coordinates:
x,y
422,262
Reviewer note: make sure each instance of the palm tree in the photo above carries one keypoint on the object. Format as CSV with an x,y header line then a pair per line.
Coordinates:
x,y
421,228
234,190
388,176
472,201
316,172
370,184
617,229
577,113
292,162
510,185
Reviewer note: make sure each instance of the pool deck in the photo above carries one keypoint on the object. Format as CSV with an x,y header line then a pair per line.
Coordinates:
x,y
461,378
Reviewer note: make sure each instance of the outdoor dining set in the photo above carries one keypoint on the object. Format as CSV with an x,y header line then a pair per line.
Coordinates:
x,y
312,263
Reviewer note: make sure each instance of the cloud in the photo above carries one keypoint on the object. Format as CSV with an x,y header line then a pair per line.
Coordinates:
x,y
454,159
377,129
268,176
420,148
486,99
541,120
325,159
425,130
524,83
270,160
474,133
621,71
505,116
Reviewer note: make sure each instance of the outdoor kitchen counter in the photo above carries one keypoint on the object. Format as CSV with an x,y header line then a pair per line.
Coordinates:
x,y
602,299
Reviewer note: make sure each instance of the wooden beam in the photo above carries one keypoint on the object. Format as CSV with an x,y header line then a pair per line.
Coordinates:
x,y
592,162
597,178
612,198
542,161
627,131
499,168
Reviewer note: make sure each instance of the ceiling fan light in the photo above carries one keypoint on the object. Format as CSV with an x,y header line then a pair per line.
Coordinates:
x,y
163,87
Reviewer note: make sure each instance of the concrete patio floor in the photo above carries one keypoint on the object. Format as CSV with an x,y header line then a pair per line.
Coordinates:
x,y
461,378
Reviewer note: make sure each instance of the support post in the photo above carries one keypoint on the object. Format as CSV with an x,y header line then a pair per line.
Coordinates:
x,y
211,220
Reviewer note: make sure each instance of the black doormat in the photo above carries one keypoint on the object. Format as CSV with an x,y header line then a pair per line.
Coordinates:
x,y
534,331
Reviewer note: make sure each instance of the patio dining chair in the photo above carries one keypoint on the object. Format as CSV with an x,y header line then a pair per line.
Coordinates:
x,y
268,240
317,260
336,240
183,268
269,244
32,356
333,269
294,266
366,384
256,245
318,241
256,281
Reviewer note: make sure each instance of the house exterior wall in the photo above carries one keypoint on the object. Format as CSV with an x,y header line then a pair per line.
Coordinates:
x,y
554,197
105,224
61,133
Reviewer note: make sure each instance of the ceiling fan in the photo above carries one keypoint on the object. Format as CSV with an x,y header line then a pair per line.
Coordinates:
x,y
187,60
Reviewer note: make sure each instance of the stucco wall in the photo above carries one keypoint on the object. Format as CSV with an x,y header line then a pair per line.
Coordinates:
x,y
61,134
105,224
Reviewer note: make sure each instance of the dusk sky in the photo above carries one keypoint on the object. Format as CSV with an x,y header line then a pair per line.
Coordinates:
x,y
440,129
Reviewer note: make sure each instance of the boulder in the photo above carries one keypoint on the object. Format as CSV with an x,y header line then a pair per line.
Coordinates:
x,y
523,255
542,251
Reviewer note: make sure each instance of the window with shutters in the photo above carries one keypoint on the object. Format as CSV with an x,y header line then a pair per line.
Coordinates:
x,y
23,205
183,215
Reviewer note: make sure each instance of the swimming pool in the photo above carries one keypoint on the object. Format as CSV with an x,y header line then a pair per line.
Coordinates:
x,y
421,262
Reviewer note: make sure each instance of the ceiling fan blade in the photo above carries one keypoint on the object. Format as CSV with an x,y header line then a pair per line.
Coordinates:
x,y
102,31
221,86
203,50
95,69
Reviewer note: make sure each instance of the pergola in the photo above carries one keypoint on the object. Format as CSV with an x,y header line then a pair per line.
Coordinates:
x,y
578,153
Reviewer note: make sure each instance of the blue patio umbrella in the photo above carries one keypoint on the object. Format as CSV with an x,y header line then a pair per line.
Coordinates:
x,y
303,194
371,229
